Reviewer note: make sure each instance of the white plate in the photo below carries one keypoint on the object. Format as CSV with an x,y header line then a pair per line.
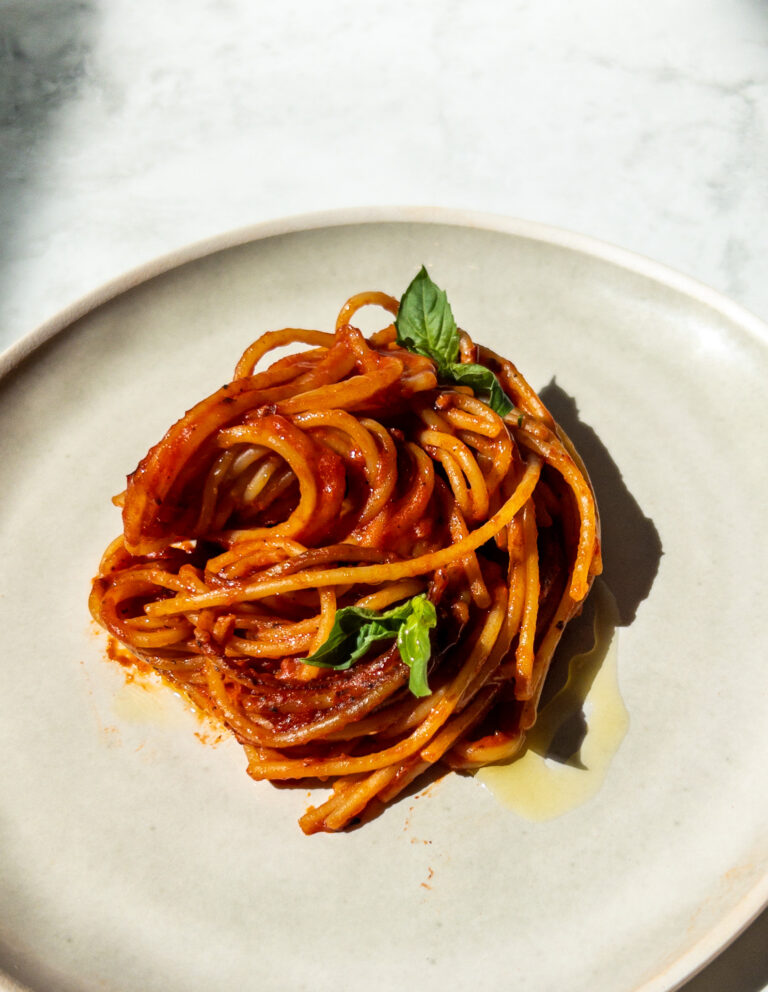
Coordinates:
x,y
133,856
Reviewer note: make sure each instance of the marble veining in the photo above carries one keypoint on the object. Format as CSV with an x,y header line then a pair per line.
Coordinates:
x,y
128,129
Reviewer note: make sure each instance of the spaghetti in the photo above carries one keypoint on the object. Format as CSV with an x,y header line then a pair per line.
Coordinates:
x,y
353,477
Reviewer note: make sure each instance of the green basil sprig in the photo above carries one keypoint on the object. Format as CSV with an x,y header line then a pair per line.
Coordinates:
x,y
355,629
414,645
425,325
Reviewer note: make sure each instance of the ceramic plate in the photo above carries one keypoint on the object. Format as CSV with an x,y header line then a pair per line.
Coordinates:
x,y
135,853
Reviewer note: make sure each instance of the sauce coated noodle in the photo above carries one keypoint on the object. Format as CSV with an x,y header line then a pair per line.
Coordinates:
x,y
347,475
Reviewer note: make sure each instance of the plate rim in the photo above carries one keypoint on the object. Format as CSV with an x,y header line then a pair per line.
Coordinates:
x,y
348,216
730,926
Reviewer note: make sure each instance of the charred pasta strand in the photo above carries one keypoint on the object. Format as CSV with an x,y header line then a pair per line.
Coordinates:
x,y
359,481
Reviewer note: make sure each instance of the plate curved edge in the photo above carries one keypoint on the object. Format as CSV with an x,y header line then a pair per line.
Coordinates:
x,y
347,216
741,916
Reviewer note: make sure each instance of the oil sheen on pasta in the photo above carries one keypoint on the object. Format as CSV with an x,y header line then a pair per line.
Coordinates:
x,y
538,787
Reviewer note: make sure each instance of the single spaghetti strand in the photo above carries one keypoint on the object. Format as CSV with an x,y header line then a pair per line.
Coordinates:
x,y
525,644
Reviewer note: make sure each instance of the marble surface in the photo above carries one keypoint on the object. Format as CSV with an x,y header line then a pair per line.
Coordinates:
x,y
130,128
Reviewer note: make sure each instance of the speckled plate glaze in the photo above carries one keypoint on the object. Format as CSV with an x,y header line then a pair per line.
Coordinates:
x,y
135,856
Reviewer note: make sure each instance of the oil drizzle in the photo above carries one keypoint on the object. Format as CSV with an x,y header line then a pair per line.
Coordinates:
x,y
579,729
147,698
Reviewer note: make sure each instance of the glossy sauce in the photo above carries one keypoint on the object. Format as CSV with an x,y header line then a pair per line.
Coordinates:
x,y
577,733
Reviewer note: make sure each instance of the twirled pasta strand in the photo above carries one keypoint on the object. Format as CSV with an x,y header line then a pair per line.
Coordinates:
x,y
344,475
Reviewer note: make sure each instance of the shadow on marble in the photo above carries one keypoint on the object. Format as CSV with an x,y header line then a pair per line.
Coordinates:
x,y
45,47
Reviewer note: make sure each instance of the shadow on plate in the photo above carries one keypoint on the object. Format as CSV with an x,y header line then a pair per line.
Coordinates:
x,y
631,544
743,966
631,555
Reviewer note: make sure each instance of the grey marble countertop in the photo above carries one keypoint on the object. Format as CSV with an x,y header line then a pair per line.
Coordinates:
x,y
129,128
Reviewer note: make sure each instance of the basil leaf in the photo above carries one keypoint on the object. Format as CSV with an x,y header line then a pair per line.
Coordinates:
x,y
355,629
425,321
482,381
414,644
425,325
